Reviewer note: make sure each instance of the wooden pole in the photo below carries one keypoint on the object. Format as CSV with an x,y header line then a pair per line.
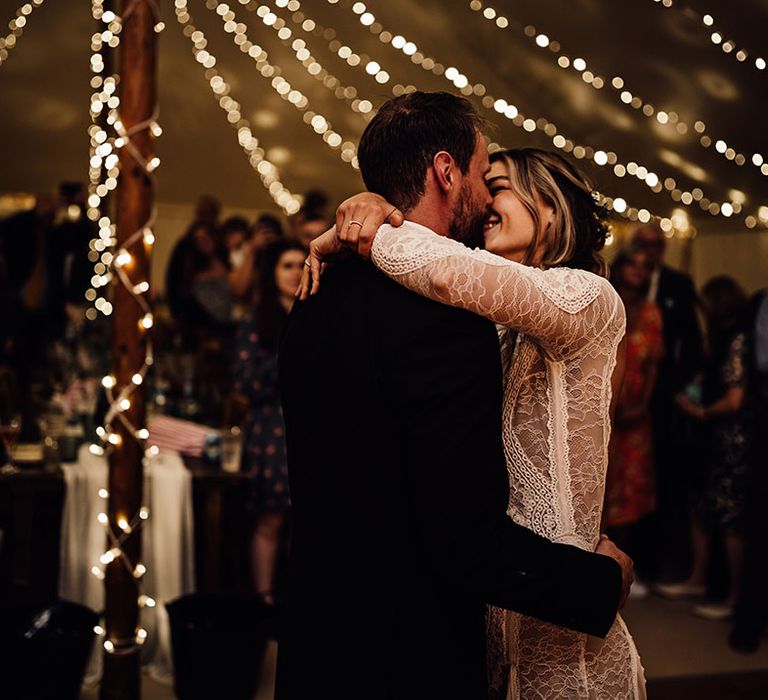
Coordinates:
x,y
121,679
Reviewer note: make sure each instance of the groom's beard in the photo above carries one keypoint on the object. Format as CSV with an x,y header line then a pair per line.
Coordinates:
x,y
468,222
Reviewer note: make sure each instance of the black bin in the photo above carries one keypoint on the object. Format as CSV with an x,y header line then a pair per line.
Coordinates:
x,y
44,651
219,643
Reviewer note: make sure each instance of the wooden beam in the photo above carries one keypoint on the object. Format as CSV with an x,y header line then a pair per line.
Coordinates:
x,y
137,90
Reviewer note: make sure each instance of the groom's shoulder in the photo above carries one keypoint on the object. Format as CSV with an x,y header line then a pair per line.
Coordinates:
x,y
356,286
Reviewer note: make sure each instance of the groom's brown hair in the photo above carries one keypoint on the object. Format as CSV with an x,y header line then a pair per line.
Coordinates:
x,y
400,142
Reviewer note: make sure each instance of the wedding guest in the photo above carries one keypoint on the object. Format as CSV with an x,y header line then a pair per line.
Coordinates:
x,y
208,209
751,613
243,278
313,218
267,229
721,507
674,294
630,494
281,264
312,225
197,283
235,233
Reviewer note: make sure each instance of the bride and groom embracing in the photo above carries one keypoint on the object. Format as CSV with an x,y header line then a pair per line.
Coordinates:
x,y
447,496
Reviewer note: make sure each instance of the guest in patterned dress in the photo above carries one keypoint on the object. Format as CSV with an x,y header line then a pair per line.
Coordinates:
x,y
630,495
727,440
264,458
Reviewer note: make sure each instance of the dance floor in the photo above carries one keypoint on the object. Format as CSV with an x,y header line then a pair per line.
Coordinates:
x,y
684,657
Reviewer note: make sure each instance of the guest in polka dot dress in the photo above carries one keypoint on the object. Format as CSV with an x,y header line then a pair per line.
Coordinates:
x,y
256,377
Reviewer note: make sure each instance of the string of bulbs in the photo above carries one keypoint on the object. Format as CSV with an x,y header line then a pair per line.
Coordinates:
x,y
114,266
319,122
717,37
266,170
16,25
667,118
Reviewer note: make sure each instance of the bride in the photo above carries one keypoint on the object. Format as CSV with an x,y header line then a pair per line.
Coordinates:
x,y
541,279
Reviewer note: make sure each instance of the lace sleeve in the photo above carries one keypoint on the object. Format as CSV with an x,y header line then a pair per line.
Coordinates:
x,y
563,309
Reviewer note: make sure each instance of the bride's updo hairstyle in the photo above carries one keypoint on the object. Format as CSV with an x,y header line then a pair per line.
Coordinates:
x,y
578,228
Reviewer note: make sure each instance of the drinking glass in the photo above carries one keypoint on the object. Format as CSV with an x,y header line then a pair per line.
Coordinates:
x,y
10,427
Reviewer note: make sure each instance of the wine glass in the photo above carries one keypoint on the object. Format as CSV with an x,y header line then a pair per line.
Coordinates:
x,y
10,427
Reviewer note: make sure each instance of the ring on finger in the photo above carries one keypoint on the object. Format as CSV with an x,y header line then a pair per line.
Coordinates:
x,y
354,222
307,263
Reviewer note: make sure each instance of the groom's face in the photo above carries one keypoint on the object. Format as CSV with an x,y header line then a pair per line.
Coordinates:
x,y
473,202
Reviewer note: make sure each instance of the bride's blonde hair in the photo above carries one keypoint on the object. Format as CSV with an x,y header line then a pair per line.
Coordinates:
x,y
578,228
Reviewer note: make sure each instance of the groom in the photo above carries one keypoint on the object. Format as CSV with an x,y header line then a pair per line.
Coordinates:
x,y
393,413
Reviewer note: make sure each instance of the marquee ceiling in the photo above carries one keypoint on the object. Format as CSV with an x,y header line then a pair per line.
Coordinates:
x,y
665,56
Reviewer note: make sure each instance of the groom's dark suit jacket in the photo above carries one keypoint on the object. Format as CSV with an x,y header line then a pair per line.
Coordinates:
x,y
393,412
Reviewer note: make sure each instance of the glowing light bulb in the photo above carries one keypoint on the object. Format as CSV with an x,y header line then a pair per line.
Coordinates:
x,y
123,258
108,382
107,557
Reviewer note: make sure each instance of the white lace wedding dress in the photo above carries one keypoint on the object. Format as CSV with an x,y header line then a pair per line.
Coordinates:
x,y
561,331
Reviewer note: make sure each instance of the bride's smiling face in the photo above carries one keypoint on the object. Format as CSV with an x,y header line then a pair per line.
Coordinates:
x,y
510,226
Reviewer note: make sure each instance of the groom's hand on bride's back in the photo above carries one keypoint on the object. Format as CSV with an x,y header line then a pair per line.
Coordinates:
x,y
607,548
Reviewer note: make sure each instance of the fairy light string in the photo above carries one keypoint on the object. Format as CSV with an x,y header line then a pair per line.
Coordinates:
x,y
16,27
302,53
716,36
319,122
221,89
109,137
601,158
666,118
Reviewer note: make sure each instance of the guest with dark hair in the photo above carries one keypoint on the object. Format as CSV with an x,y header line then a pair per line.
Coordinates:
x,y
630,494
235,233
310,226
313,219
267,229
674,294
243,280
197,283
208,209
721,507
280,267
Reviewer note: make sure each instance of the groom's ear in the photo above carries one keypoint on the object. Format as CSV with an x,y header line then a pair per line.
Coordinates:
x,y
444,168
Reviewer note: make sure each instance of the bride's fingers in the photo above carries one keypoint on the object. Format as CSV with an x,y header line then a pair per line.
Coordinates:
x,y
367,234
354,225
304,286
340,216
316,263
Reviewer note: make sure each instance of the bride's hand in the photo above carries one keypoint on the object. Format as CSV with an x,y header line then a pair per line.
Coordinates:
x,y
327,244
357,221
359,217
